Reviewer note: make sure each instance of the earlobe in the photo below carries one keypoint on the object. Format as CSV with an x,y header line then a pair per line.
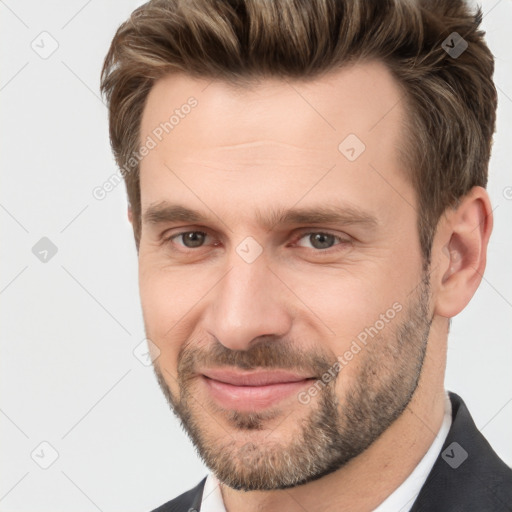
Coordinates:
x,y
463,235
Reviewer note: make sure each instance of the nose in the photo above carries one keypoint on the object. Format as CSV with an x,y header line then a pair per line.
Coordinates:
x,y
247,303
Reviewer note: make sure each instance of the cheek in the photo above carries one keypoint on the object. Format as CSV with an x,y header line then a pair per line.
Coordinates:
x,y
342,302
168,294
168,299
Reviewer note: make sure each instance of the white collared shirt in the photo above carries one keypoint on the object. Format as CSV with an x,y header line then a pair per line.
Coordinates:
x,y
401,500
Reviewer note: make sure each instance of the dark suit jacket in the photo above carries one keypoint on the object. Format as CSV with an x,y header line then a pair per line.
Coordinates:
x,y
467,476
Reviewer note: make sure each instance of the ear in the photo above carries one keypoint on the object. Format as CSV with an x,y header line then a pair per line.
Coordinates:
x,y
130,215
460,247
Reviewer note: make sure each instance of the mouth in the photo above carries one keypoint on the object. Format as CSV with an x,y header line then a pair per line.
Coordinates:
x,y
252,391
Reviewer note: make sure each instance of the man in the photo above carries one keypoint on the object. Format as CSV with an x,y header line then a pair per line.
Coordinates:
x,y
306,185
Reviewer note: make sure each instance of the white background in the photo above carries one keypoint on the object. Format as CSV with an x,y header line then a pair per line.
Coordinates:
x,y
69,326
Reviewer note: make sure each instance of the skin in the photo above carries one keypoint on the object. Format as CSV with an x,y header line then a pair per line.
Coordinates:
x,y
238,155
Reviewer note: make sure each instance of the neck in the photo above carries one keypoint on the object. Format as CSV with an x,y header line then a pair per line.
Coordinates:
x,y
368,479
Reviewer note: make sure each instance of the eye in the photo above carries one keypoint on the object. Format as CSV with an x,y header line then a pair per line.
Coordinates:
x,y
190,239
317,240
320,240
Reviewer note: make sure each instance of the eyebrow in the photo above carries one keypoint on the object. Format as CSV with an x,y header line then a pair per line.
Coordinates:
x,y
165,212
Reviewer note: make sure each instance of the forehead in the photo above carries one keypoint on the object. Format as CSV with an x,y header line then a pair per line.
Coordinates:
x,y
356,99
276,135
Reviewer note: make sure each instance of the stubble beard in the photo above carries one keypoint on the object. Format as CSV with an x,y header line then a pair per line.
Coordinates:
x,y
334,431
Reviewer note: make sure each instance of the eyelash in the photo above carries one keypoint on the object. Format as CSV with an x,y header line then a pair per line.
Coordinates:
x,y
342,242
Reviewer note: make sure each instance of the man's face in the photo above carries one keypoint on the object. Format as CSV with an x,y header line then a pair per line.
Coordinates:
x,y
292,312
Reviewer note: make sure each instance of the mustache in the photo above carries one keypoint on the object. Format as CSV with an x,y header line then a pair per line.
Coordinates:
x,y
268,352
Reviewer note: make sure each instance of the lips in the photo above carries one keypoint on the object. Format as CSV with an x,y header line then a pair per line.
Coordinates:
x,y
251,391
260,378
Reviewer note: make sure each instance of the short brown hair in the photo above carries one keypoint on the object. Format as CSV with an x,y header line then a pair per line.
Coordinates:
x,y
451,99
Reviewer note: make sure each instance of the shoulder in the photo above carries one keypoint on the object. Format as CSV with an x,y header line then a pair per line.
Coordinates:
x,y
468,475
189,501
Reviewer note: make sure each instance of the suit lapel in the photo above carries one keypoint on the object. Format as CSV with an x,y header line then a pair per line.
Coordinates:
x,y
468,475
